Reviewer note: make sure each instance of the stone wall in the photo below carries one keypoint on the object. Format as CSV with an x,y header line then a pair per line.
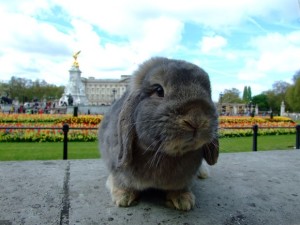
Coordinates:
x,y
86,109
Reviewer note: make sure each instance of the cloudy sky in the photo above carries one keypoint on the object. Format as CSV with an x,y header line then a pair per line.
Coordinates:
x,y
238,42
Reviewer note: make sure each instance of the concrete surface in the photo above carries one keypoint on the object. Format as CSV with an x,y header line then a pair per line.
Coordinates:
x,y
252,188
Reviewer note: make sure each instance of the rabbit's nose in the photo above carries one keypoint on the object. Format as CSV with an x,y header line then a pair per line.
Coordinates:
x,y
191,124
195,124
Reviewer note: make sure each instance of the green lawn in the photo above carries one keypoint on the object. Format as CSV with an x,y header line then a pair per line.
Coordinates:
x,y
244,144
89,150
47,151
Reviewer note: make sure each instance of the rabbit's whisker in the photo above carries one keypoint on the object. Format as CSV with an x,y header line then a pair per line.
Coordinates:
x,y
156,154
160,156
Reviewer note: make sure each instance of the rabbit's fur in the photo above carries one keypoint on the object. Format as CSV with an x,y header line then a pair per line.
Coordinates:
x,y
158,132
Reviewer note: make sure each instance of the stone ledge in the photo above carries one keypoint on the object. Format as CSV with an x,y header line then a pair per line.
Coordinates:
x,y
244,188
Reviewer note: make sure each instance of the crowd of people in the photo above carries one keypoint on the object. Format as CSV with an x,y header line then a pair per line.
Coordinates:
x,y
29,107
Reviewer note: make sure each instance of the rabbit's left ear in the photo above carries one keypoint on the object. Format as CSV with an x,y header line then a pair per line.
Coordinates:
x,y
126,129
211,152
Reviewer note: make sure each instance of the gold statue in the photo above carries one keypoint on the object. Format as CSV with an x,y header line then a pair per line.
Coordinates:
x,y
75,63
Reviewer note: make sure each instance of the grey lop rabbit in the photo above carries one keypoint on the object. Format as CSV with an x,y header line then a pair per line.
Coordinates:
x,y
157,134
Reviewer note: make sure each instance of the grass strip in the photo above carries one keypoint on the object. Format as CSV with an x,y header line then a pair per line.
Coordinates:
x,y
47,150
89,150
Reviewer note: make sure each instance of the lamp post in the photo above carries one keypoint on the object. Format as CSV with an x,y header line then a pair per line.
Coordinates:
x,y
114,93
252,111
220,102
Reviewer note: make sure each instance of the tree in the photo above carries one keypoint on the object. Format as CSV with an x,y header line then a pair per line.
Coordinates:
x,y
231,96
273,101
261,101
276,95
27,90
280,89
247,94
3,89
293,95
17,88
296,76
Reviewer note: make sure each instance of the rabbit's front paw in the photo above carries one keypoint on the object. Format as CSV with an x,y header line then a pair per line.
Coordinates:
x,y
124,198
121,197
181,200
203,170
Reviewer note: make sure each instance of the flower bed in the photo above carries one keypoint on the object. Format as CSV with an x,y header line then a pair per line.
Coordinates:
x,y
229,127
36,124
41,135
267,126
249,132
49,118
239,121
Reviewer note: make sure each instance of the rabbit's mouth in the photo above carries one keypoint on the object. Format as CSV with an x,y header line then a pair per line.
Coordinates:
x,y
190,141
177,144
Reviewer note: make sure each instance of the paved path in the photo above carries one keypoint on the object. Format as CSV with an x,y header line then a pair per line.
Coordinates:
x,y
252,188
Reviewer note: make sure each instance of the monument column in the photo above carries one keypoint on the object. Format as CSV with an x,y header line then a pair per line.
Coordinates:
x,y
75,87
282,109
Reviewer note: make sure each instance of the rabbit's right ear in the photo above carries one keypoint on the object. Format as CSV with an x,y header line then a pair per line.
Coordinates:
x,y
126,129
211,152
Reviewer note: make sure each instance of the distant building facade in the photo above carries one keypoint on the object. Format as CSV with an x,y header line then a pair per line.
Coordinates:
x,y
104,91
234,109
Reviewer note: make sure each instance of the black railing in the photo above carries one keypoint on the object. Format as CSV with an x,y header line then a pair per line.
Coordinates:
x,y
66,129
255,133
298,136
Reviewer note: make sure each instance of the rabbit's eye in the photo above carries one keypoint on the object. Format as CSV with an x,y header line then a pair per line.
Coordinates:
x,y
159,91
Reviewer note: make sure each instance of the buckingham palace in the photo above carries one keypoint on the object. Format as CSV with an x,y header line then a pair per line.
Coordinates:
x,y
104,91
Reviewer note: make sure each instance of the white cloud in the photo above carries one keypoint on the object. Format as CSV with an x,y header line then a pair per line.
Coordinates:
x,y
127,17
286,60
212,44
274,42
31,48
30,8
272,56
158,35
250,75
277,52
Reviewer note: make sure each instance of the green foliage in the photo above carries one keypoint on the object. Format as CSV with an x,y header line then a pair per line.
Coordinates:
x,y
269,99
261,101
277,95
293,96
231,96
273,100
26,90
247,94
